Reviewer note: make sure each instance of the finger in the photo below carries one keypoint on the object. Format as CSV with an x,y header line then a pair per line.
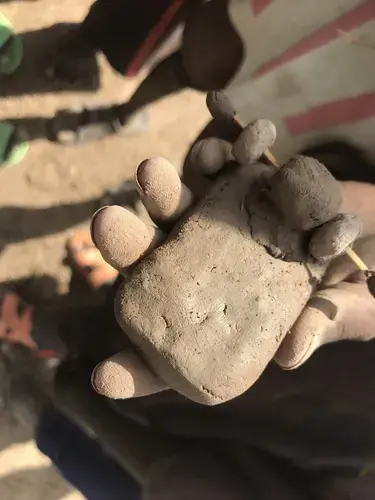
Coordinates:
x,y
359,198
121,237
163,194
335,236
254,140
305,193
346,312
124,376
208,156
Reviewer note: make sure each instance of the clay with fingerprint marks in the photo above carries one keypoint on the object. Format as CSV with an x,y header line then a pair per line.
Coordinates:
x,y
305,193
210,307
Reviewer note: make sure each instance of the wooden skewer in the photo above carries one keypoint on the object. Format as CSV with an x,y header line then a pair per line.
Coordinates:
x,y
356,259
221,108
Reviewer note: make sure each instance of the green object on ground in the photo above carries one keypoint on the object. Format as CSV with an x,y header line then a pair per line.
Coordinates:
x,y
11,47
13,144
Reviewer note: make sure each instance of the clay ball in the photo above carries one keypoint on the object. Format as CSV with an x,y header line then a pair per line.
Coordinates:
x,y
305,193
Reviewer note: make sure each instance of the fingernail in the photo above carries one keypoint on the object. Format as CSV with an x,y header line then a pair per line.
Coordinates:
x,y
93,376
138,176
93,218
371,282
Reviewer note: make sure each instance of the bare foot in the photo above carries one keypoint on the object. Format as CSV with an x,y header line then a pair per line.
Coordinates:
x,y
71,58
89,262
15,320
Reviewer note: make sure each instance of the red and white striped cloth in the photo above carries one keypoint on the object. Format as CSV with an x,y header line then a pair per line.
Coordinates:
x,y
309,66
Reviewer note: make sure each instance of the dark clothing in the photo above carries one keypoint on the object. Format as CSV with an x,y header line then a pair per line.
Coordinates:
x,y
82,461
129,32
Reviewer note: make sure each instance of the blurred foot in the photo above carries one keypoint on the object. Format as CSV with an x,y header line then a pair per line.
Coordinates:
x,y
87,260
72,59
75,127
15,320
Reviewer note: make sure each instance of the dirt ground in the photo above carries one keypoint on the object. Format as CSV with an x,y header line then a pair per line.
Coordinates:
x,y
56,189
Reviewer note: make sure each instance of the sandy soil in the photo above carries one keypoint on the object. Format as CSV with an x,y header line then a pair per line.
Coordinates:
x,y
56,189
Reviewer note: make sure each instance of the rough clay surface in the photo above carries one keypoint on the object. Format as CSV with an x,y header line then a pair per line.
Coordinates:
x,y
297,186
267,226
211,347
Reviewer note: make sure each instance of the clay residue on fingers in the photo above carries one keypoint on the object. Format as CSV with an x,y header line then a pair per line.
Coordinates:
x,y
305,193
124,376
120,236
163,194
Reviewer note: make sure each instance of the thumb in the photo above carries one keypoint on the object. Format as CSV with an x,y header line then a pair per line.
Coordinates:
x,y
124,376
344,312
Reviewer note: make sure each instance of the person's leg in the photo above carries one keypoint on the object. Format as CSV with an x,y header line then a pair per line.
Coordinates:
x,y
166,78
126,32
210,55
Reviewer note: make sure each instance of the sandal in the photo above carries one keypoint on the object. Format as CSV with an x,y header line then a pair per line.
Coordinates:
x,y
11,47
79,127
87,259
70,59
13,144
